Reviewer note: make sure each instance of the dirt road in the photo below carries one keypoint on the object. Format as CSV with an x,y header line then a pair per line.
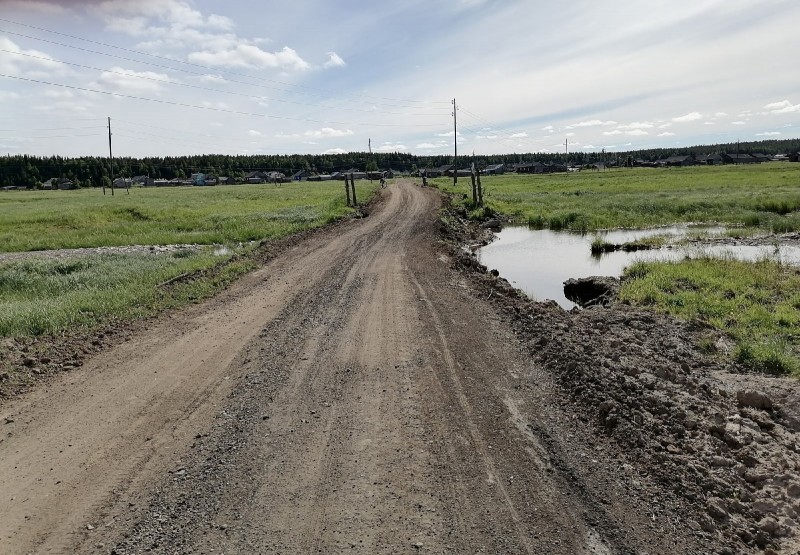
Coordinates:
x,y
353,395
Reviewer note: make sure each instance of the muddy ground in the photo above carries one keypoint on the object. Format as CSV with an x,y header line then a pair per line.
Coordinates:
x,y
372,389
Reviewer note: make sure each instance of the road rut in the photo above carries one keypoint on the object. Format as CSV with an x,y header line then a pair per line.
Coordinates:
x,y
353,394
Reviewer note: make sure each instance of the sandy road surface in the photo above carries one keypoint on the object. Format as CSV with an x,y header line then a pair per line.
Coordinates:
x,y
350,396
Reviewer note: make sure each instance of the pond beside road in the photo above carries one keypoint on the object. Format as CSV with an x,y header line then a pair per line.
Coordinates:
x,y
539,261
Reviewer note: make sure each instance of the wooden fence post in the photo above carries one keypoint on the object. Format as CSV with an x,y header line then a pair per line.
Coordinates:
x,y
480,190
347,189
353,184
474,189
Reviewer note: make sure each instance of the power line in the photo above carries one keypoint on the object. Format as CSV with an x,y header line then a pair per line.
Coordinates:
x,y
209,108
207,68
209,89
51,129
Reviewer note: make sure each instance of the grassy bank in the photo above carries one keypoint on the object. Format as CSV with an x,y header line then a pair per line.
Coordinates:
x,y
45,296
765,196
758,304
160,216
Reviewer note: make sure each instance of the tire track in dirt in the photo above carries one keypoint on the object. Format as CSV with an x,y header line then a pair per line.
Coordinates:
x,y
466,411
350,396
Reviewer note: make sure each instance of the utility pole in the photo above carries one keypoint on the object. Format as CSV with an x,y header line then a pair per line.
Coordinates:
x,y
566,147
455,144
369,144
110,159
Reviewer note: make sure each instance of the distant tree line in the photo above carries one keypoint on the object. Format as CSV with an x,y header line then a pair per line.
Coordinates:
x,y
94,171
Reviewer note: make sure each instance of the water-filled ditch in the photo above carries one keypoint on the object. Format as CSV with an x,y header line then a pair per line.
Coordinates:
x,y
539,261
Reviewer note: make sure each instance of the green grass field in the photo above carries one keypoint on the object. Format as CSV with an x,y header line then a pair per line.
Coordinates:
x,y
758,304
160,216
765,196
46,296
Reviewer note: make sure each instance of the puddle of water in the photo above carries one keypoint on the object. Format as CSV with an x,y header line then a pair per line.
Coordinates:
x,y
539,261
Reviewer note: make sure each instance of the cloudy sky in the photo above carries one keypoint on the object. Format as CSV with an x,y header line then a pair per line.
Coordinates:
x,y
315,76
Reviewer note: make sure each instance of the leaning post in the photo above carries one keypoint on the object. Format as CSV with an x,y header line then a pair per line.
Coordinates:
x,y
480,190
347,190
474,187
353,184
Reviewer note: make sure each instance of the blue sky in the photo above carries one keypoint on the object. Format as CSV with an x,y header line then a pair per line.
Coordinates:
x,y
313,76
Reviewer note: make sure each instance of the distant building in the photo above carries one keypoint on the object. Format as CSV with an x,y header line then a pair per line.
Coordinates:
x,y
739,159
494,169
673,161
143,180
710,160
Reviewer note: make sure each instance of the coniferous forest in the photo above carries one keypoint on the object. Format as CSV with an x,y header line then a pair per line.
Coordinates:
x,y
94,171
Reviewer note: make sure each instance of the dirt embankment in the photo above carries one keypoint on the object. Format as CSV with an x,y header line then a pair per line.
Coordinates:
x,y
723,441
368,391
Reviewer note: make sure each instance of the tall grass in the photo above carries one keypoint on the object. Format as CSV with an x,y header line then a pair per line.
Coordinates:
x,y
758,304
766,196
159,216
45,296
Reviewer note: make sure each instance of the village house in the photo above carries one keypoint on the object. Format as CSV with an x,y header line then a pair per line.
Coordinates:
x,y
674,161
739,159
494,169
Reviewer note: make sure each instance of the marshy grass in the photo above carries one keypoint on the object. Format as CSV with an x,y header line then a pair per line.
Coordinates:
x,y
600,245
46,296
160,216
757,304
764,196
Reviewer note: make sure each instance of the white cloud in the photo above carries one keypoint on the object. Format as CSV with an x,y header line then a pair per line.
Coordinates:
x,y
614,132
428,146
666,134
29,63
251,56
334,151
637,132
768,134
548,128
118,79
176,14
254,133
45,8
334,60
709,123
693,116
519,135
218,79
737,123
392,148
58,93
720,114
782,107
328,132
638,125
591,123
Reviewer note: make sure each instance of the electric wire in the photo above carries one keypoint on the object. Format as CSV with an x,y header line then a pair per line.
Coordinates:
x,y
209,108
319,91
209,89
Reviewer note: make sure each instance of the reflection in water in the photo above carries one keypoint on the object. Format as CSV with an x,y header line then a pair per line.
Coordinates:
x,y
540,261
